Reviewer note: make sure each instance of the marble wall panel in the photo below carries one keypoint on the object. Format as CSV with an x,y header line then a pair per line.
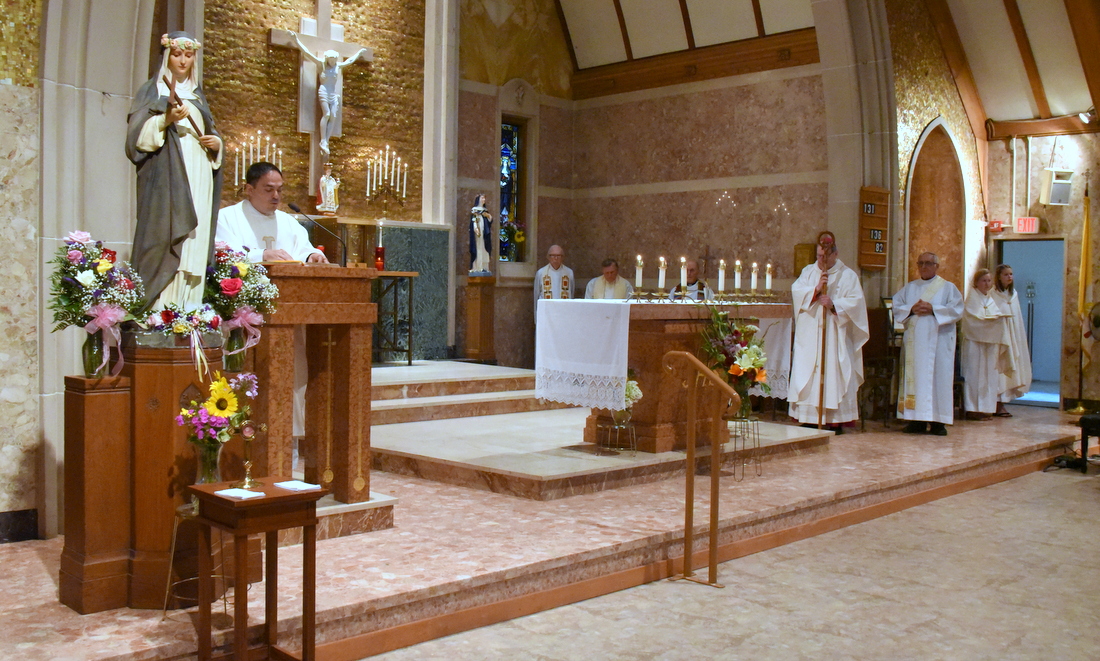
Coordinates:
x,y
19,290
505,39
514,327
1079,153
555,147
751,224
252,84
478,136
775,126
423,251
555,226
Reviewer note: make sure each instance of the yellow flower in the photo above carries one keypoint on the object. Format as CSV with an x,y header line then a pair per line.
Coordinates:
x,y
180,327
242,268
102,266
223,401
520,236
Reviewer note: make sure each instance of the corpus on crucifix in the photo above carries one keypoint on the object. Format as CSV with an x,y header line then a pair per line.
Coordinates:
x,y
329,87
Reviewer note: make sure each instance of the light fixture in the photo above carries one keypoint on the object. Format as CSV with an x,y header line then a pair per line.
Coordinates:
x,y
1088,115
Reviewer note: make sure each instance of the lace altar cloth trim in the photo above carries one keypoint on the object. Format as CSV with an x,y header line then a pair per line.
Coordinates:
x,y
604,392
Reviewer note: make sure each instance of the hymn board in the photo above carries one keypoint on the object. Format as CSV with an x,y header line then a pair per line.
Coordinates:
x,y
874,217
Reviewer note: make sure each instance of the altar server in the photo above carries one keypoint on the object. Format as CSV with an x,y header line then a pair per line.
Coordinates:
x,y
985,351
827,299
929,307
554,280
610,284
1020,384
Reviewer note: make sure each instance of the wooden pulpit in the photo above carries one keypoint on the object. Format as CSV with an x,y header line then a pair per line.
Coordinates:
x,y
334,304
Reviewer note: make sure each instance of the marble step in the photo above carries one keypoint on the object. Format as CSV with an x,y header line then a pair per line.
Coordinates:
x,y
381,391
416,409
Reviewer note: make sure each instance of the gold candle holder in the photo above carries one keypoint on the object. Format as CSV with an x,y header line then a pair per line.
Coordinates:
x,y
248,433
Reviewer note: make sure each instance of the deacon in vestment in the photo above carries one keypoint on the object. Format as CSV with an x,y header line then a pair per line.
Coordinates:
x,y
256,226
554,280
827,297
179,178
697,290
929,307
609,285
985,351
1020,383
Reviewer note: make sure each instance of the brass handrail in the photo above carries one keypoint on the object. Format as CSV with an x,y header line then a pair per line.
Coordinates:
x,y
704,373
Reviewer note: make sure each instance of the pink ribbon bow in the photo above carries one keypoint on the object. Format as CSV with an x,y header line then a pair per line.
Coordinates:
x,y
106,317
247,318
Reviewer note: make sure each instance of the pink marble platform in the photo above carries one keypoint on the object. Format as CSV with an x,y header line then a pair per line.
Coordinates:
x,y
453,548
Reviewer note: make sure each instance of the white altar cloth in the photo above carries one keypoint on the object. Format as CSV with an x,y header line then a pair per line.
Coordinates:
x,y
580,351
776,332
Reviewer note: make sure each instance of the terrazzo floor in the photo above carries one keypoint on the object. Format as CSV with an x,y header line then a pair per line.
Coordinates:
x,y
1001,573
449,540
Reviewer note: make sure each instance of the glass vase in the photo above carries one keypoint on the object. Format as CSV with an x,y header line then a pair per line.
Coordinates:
x,y
621,417
92,355
742,388
209,456
234,362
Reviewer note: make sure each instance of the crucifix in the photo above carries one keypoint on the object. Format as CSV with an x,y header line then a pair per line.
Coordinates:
x,y
706,258
320,36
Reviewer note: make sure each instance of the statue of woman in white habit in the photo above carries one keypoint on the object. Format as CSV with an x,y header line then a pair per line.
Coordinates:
x,y
329,185
481,236
172,140
329,87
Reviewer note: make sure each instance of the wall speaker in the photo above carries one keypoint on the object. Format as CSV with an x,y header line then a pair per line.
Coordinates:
x,y
1055,186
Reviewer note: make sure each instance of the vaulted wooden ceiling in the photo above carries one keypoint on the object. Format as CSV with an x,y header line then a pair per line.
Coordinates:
x,y
1024,67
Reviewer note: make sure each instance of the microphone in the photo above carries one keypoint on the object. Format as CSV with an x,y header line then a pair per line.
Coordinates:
x,y
314,223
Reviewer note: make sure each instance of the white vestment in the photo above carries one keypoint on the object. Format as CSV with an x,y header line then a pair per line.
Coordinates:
x,y
1011,388
601,288
928,354
845,334
674,294
247,230
553,283
985,354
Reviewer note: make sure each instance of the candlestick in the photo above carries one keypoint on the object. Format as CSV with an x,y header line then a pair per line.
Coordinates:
x,y
768,279
405,182
638,273
386,162
380,234
737,275
237,167
368,179
683,276
721,275
661,268
267,154
753,280
280,159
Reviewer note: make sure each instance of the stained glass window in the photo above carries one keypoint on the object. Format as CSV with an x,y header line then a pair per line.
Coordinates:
x,y
513,228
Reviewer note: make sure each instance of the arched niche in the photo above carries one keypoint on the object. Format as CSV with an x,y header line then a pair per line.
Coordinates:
x,y
936,204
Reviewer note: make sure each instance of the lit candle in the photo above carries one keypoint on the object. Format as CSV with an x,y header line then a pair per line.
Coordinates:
x,y
737,275
661,268
721,275
393,173
752,284
638,272
280,159
267,153
405,182
683,276
768,278
386,163
380,234
237,167
368,180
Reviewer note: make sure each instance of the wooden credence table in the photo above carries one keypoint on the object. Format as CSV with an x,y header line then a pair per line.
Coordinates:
x,y
275,510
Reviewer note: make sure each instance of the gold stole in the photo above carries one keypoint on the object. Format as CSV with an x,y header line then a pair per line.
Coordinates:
x,y
548,286
910,380
619,290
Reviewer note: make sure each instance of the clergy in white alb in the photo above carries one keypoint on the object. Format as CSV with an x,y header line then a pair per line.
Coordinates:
x,y
928,307
697,290
609,284
985,352
1020,382
827,298
256,226
555,280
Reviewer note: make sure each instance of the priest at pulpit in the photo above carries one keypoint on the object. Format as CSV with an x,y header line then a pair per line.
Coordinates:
x,y
256,226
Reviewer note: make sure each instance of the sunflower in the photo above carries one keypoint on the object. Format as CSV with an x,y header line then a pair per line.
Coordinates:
x,y
223,401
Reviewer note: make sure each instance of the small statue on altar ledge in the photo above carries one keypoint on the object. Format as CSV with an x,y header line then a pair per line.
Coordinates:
x,y
481,236
327,192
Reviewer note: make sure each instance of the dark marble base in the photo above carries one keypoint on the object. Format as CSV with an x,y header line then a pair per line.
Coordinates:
x,y
18,526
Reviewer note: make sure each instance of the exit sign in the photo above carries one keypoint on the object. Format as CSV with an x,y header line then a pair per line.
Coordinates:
x,y
1027,225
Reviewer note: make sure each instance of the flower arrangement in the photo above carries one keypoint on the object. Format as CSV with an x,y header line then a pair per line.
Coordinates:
x,y
732,349
92,289
212,422
241,293
173,319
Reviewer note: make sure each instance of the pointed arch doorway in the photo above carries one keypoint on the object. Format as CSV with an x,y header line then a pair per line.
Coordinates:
x,y
937,204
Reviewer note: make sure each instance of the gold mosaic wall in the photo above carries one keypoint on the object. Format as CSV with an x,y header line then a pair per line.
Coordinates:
x,y
19,41
252,85
926,90
505,39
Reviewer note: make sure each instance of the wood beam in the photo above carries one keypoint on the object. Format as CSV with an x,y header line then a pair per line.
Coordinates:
x,y
687,24
778,51
1067,125
1084,19
759,18
622,28
1016,20
565,31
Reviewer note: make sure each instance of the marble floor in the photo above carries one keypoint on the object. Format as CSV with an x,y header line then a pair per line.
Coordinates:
x,y
1005,572
453,547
